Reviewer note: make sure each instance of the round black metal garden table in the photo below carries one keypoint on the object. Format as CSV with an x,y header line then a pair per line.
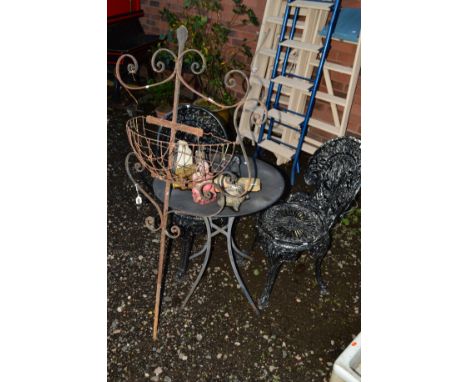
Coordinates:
x,y
272,187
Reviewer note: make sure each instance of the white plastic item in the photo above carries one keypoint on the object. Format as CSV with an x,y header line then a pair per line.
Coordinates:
x,y
347,367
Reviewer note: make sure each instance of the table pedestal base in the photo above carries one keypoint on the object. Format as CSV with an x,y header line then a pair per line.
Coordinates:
x,y
212,230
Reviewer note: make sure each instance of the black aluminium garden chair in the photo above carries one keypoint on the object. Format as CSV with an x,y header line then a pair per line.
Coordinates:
x,y
303,222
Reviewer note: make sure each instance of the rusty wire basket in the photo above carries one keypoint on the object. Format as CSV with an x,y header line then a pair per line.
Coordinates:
x,y
195,157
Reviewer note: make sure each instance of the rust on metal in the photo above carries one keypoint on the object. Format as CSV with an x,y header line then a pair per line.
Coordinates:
x,y
173,125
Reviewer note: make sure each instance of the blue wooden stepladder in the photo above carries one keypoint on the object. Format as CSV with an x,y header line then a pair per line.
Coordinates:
x,y
283,76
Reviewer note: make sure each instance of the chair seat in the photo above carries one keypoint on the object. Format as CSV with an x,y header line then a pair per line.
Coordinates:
x,y
291,224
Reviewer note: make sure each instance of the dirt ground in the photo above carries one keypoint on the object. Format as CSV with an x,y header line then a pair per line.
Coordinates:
x,y
218,337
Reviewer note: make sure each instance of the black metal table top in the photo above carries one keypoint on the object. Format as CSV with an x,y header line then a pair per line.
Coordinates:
x,y
272,187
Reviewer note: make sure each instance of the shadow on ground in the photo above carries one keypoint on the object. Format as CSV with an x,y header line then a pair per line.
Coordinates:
x,y
218,337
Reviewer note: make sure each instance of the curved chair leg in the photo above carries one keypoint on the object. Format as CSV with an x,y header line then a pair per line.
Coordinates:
x,y
274,265
320,251
186,238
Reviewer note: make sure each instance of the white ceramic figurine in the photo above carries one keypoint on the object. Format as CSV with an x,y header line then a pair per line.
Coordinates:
x,y
184,156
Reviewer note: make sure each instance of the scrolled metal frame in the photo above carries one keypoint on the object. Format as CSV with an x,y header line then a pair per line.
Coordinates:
x,y
257,117
139,168
196,68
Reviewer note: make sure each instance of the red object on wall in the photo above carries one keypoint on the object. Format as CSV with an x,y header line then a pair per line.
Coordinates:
x,y
120,7
124,32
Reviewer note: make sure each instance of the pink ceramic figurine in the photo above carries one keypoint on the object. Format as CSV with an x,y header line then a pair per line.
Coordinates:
x,y
203,191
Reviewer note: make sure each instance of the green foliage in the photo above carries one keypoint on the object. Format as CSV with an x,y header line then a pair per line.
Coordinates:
x,y
209,34
162,94
353,217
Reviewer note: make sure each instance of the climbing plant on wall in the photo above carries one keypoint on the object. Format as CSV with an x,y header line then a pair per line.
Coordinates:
x,y
209,32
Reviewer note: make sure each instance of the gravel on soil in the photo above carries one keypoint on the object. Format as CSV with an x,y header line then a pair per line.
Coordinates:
x,y
218,337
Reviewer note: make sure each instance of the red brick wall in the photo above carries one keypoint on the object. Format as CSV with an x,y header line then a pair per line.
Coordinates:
x,y
153,23
341,53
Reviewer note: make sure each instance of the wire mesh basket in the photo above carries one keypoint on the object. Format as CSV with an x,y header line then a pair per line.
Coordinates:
x,y
195,158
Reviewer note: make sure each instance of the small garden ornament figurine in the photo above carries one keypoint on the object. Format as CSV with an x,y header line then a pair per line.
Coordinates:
x,y
184,155
203,191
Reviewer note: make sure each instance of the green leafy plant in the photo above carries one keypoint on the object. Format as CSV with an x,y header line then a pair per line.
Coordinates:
x,y
352,217
162,95
209,33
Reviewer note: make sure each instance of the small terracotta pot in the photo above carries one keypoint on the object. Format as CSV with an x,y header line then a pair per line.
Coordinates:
x,y
161,111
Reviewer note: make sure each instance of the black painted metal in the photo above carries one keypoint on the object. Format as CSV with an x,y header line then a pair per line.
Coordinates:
x,y
303,222
190,228
196,116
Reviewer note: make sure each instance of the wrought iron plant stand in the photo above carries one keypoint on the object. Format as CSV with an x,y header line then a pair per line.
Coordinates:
x,y
168,149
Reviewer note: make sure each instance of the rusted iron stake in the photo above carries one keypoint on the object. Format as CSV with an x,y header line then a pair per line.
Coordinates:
x,y
178,126
182,34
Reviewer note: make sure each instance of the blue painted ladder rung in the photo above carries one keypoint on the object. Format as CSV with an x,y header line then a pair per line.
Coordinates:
x,y
296,84
282,108
301,77
286,125
287,12
279,141
318,76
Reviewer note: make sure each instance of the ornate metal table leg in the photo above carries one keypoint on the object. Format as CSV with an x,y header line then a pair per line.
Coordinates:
x,y
205,261
240,256
234,266
239,252
200,252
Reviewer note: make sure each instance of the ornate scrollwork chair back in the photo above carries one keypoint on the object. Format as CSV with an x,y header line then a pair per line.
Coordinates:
x,y
335,173
197,116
